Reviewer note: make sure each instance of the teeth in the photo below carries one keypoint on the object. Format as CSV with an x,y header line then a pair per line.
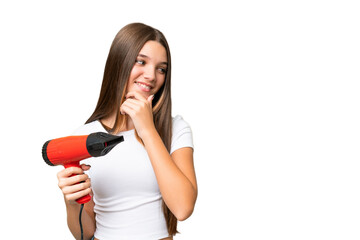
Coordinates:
x,y
143,85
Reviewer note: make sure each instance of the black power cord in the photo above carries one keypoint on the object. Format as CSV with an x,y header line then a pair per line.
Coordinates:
x,y
81,227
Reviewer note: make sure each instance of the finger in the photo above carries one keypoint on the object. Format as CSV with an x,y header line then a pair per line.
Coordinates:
x,y
129,106
67,172
125,109
135,95
134,103
85,167
77,195
77,187
150,99
69,181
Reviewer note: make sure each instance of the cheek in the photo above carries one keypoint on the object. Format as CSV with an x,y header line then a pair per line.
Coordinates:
x,y
135,73
161,80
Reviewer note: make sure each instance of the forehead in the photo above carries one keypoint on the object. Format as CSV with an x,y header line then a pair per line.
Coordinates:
x,y
154,50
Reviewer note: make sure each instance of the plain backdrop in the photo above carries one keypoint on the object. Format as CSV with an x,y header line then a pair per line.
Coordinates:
x,y
270,89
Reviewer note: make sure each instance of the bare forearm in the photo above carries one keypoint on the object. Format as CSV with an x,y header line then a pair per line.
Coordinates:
x,y
178,192
73,211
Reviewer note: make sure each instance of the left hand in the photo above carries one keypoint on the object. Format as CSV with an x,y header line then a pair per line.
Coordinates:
x,y
140,111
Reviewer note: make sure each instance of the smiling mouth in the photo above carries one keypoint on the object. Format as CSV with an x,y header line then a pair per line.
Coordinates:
x,y
143,86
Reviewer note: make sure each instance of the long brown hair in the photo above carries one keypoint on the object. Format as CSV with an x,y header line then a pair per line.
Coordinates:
x,y
122,56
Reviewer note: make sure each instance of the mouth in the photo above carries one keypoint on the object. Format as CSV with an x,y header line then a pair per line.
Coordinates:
x,y
143,86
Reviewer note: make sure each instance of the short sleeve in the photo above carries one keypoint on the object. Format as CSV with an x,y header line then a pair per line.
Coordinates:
x,y
182,134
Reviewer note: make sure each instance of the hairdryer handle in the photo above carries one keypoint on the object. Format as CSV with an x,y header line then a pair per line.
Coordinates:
x,y
83,199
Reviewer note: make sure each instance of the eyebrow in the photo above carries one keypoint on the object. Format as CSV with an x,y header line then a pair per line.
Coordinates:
x,y
144,56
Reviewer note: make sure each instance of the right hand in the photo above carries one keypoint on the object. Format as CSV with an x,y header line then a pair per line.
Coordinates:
x,y
74,187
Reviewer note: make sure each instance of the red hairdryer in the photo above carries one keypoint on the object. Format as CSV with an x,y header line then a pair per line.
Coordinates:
x,y
69,151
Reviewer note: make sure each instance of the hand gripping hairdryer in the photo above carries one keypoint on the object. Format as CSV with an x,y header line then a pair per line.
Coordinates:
x,y
69,151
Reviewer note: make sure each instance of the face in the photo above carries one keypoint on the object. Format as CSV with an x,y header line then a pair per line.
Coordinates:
x,y
148,74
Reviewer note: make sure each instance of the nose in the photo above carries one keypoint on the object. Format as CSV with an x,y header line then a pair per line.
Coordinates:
x,y
149,73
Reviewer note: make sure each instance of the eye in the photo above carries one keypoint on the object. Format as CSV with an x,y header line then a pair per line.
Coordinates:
x,y
162,70
139,61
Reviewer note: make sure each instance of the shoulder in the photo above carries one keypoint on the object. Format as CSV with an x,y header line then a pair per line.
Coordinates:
x,y
181,134
88,128
179,123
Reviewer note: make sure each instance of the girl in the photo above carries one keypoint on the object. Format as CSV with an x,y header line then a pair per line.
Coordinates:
x,y
146,183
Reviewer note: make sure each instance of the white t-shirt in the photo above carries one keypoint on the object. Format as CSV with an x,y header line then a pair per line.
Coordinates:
x,y
128,203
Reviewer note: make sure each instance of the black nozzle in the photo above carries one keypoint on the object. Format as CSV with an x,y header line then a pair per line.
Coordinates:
x,y
99,144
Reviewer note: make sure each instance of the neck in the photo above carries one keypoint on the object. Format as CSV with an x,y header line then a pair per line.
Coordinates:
x,y
129,124
109,122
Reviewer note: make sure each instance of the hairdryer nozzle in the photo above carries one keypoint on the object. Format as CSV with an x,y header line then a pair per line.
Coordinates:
x,y
99,144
